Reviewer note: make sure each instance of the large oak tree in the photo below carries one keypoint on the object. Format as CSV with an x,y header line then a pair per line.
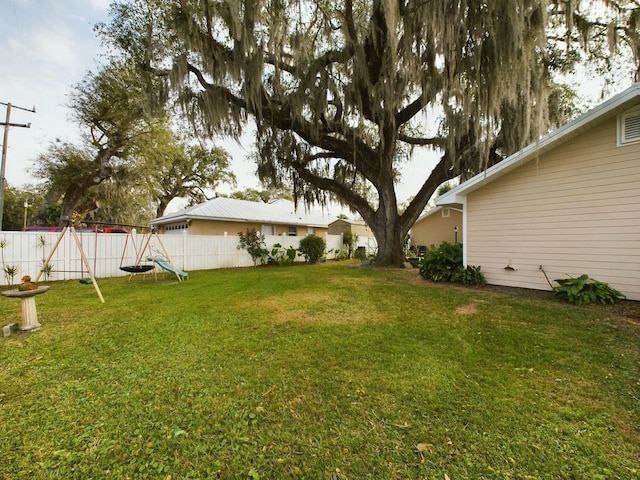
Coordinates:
x,y
341,91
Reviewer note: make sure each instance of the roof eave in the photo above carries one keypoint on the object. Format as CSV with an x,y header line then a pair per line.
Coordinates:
x,y
570,130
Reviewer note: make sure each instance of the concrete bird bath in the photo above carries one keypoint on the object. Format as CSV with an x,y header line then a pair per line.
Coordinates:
x,y
29,313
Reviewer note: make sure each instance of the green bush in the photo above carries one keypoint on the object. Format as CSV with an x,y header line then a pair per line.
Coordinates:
x,y
254,244
349,240
471,275
584,290
281,256
444,264
360,253
312,248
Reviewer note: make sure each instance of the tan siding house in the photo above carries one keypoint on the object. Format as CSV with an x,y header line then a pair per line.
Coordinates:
x,y
569,204
229,216
442,224
342,225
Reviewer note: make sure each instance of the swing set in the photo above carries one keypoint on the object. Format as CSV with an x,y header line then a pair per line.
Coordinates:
x,y
138,248
83,258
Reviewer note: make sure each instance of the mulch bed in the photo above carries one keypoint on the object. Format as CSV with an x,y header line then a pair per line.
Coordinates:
x,y
629,309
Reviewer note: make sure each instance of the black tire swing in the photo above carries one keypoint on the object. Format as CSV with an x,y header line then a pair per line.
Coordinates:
x,y
138,267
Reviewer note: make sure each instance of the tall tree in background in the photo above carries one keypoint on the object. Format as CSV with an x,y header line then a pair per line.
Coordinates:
x,y
264,196
171,168
341,92
130,158
111,105
16,214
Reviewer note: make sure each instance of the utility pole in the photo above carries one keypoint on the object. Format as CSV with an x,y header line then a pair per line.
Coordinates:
x,y
8,124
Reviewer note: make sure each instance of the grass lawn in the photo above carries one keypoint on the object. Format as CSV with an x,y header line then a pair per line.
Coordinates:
x,y
331,371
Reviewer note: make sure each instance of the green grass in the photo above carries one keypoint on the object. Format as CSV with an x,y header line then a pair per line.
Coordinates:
x,y
316,372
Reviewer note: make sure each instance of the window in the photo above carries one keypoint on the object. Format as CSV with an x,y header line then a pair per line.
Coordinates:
x,y
176,226
311,230
267,230
445,213
629,128
293,231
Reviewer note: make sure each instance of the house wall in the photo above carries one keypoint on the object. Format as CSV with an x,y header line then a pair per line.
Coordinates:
x,y
340,226
217,227
435,229
574,211
361,230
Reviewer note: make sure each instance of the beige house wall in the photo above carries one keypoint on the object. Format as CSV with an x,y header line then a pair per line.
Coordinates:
x,y
435,229
340,226
219,227
573,211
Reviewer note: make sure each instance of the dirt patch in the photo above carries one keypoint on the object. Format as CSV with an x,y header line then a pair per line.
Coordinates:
x,y
466,309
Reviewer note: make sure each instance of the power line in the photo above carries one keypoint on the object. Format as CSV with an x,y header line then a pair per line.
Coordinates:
x,y
5,141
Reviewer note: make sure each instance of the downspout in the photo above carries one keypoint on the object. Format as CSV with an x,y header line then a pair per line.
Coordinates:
x,y
464,231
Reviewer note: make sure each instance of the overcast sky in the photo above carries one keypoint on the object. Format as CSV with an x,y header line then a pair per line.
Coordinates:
x,y
46,47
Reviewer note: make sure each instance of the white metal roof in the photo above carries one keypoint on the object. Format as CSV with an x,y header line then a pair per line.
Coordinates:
x,y
614,106
430,212
281,212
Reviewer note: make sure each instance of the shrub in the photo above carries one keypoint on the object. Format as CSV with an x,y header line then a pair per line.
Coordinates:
x,y
254,244
349,239
444,264
281,256
471,275
312,248
441,264
360,253
584,290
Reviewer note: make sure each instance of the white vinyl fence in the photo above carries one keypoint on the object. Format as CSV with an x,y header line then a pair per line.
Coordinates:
x,y
25,252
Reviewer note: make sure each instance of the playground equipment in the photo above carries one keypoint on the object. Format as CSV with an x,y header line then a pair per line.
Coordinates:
x,y
83,257
139,249
166,265
143,245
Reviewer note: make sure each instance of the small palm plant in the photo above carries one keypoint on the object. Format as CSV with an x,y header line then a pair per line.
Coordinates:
x,y
46,268
10,271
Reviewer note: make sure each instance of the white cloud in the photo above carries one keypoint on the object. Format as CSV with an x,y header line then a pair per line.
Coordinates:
x,y
54,46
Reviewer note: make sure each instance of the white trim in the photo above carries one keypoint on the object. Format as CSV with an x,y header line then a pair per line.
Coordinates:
x,y
633,118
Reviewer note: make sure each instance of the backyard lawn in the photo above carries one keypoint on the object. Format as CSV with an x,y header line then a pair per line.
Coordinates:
x,y
329,371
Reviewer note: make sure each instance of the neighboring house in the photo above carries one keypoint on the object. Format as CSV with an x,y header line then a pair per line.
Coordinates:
x,y
229,216
441,224
567,205
342,225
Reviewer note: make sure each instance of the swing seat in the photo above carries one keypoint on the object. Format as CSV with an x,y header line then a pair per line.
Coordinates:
x,y
86,281
137,268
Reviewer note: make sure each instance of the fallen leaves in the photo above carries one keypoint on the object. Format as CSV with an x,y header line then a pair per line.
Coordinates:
x,y
423,448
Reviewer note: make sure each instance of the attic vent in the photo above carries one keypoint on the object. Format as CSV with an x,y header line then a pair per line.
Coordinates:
x,y
445,212
629,128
